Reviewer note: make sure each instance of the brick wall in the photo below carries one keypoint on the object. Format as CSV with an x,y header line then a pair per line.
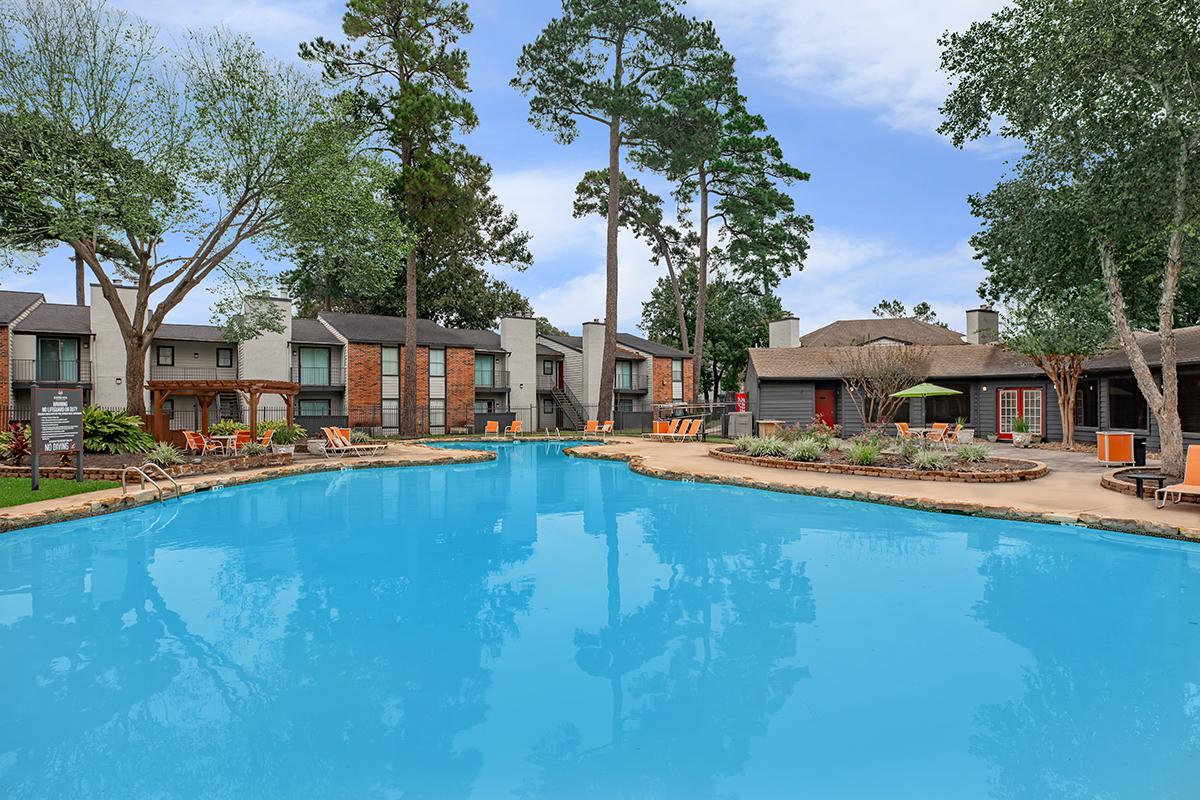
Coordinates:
x,y
661,390
364,381
460,386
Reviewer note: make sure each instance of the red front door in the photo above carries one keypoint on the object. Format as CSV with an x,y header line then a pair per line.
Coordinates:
x,y
1026,402
558,365
826,406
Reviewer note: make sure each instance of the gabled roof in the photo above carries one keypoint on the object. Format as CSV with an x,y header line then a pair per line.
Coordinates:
x,y
634,345
1187,350
190,333
851,332
312,331
377,328
549,352
14,304
57,318
573,342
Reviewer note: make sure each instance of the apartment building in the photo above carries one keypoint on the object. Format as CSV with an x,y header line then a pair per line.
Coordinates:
x,y
348,368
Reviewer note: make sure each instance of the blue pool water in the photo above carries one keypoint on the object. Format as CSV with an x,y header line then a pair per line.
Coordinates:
x,y
549,627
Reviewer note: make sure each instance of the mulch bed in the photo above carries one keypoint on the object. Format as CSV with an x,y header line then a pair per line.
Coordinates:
x,y
893,465
897,461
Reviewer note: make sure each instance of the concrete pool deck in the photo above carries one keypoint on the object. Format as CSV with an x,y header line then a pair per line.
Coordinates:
x,y
106,501
1069,494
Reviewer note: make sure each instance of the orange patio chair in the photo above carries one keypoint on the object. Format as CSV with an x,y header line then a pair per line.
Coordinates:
x,y
491,430
905,433
240,440
938,433
1191,480
514,430
265,441
669,433
592,426
606,429
196,443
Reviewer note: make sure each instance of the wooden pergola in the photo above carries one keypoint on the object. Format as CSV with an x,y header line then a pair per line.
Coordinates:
x,y
205,390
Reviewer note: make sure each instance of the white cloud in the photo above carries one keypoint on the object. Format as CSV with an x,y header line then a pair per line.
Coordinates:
x,y
875,54
845,277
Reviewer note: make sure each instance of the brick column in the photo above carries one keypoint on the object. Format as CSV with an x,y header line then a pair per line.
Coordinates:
x,y
364,383
460,386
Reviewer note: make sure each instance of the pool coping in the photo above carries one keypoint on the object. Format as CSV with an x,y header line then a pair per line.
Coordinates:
x,y
64,510
637,463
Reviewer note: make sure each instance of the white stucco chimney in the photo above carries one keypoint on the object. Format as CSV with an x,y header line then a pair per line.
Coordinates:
x,y
593,361
268,355
518,335
784,333
983,326
108,346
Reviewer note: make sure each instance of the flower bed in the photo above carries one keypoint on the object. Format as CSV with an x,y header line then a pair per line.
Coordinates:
x,y
112,471
888,465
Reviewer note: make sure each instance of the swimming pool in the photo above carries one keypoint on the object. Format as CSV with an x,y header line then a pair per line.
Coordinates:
x,y
549,627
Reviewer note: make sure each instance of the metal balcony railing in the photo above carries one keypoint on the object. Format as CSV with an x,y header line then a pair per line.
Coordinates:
x,y
158,373
546,382
631,383
491,379
319,376
29,370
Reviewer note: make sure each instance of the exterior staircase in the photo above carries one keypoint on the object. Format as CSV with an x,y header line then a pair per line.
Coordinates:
x,y
572,409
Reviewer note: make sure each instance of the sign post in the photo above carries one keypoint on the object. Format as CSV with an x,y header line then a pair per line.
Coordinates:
x,y
57,427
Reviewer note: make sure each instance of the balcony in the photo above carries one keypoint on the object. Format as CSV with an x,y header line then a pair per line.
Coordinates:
x,y
635,384
493,380
546,383
319,376
158,373
29,370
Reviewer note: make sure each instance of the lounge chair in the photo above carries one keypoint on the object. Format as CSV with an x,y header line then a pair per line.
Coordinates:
x,y
369,447
335,445
691,429
1191,480
491,430
606,429
592,426
669,433
513,430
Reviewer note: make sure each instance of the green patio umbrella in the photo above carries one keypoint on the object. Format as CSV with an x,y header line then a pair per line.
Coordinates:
x,y
925,390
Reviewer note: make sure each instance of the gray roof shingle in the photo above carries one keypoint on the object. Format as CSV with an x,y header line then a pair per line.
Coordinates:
x,y
190,333
13,304
379,328
312,331
57,318
847,332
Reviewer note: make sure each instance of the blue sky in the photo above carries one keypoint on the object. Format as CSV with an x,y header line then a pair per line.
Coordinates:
x,y
851,89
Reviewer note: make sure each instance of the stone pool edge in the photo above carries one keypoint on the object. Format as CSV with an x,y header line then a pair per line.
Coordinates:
x,y
637,463
11,519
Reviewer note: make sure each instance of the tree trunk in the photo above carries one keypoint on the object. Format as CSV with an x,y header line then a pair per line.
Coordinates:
x,y
408,418
680,315
701,285
608,362
135,375
80,284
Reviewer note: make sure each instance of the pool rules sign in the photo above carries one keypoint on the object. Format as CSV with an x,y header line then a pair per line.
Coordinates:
x,y
57,427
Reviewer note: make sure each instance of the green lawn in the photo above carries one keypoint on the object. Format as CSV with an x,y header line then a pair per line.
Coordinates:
x,y
15,491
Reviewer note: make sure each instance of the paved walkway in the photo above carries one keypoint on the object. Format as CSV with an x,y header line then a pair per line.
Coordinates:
x,y
108,500
1070,493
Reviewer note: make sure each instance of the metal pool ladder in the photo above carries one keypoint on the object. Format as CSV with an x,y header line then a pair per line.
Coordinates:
x,y
141,472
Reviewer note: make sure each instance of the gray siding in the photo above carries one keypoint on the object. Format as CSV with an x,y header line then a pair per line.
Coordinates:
x,y
790,401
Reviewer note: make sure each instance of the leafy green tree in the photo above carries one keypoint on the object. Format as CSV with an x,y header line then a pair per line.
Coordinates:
x,y
895,309
1058,335
1104,100
405,77
640,211
547,328
151,165
599,62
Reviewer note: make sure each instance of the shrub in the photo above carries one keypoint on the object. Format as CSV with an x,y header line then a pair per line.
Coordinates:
x,y
928,459
768,446
113,432
908,448
15,443
359,437
227,427
822,431
284,433
971,453
806,449
1020,425
164,454
254,449
835,445
862,453
743,444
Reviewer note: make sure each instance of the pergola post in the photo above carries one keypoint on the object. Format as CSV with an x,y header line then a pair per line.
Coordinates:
x,y
157,398
290,400
205,401
254,395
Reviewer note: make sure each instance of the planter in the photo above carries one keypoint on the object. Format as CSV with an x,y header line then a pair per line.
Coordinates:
x,y
283,449
316,447
966,436
1022,439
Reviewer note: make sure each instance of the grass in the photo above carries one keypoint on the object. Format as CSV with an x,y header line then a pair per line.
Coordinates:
x,y
16,491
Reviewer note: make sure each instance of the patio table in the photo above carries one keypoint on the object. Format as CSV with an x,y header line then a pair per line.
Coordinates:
x,y
1141,478
226,442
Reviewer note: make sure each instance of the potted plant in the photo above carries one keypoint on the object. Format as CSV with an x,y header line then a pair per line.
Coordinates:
x,y
966,434
1021,436
283,441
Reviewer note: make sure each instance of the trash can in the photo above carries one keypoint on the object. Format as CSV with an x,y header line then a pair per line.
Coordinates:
x,y
1139,451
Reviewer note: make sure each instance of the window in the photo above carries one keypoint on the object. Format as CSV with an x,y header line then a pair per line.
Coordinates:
x,y
391,360
950,407
314,366
437,413
1126,408
1087,404
624,374
547,367
58,360
625,404
484,406
224,357
547,406
485,370
164,355
390,411
437,363
1189,401
315,408
677,370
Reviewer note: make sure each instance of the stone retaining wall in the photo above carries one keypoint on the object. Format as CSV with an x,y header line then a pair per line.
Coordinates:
x,y
1034,470
1111,481
1138,526
179,470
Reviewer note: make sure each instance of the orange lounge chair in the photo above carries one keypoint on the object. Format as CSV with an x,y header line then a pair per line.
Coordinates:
x,y
491,429
334,444
514,430
606,429
360,448
592,426
1191,480
689,430
669,433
